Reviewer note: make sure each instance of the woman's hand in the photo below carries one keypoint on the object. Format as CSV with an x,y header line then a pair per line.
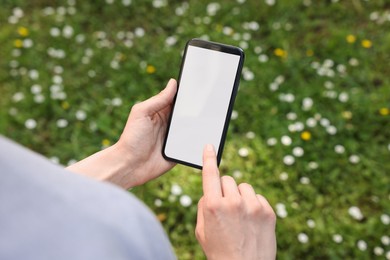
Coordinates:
x,y
137,157
233,221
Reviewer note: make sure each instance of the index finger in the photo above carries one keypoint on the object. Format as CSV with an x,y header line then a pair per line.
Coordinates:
x,y
210,173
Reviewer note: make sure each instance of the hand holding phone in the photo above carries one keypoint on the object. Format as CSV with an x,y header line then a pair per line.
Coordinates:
x,y
207,87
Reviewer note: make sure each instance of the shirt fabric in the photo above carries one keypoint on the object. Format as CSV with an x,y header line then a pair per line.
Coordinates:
x,y
47,212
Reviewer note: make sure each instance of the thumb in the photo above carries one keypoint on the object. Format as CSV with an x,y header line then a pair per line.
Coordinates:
x,y
161,100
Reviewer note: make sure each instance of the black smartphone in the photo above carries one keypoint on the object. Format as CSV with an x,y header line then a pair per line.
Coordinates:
x,y
207,86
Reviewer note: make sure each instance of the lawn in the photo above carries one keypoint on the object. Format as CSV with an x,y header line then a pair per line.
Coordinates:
x,y
311,123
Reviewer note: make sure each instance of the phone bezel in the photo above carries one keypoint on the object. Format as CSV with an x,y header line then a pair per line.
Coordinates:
x,y
215,47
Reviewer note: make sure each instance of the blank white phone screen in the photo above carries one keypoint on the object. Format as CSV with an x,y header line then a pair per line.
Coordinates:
x,y
202,103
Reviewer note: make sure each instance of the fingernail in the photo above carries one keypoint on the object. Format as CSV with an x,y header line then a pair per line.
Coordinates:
x,y
171,80
209,148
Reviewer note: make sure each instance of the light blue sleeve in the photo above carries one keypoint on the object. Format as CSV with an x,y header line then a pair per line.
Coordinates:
x,y
47,212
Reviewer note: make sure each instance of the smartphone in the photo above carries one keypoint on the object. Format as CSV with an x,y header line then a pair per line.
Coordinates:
x,y
207,86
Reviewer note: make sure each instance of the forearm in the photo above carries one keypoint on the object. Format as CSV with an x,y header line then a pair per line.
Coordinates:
x,y
110,165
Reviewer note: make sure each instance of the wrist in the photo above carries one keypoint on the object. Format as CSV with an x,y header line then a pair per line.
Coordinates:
x,y
129,171
112,164
120,166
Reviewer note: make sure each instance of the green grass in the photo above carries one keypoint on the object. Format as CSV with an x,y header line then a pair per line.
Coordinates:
x,y
104,72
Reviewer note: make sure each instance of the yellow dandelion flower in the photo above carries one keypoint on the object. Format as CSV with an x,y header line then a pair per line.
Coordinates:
x,y
351,38
162,217
346,114
309,53
150,69
367,44
306,135
23,31
65,105
218,28
384,111
280,53
105,142
18,43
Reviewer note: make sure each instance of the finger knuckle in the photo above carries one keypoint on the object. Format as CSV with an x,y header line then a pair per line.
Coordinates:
x,y
136,108
212,206
235,204
245,185
228,181
254,211
209,167
227,178
268,214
